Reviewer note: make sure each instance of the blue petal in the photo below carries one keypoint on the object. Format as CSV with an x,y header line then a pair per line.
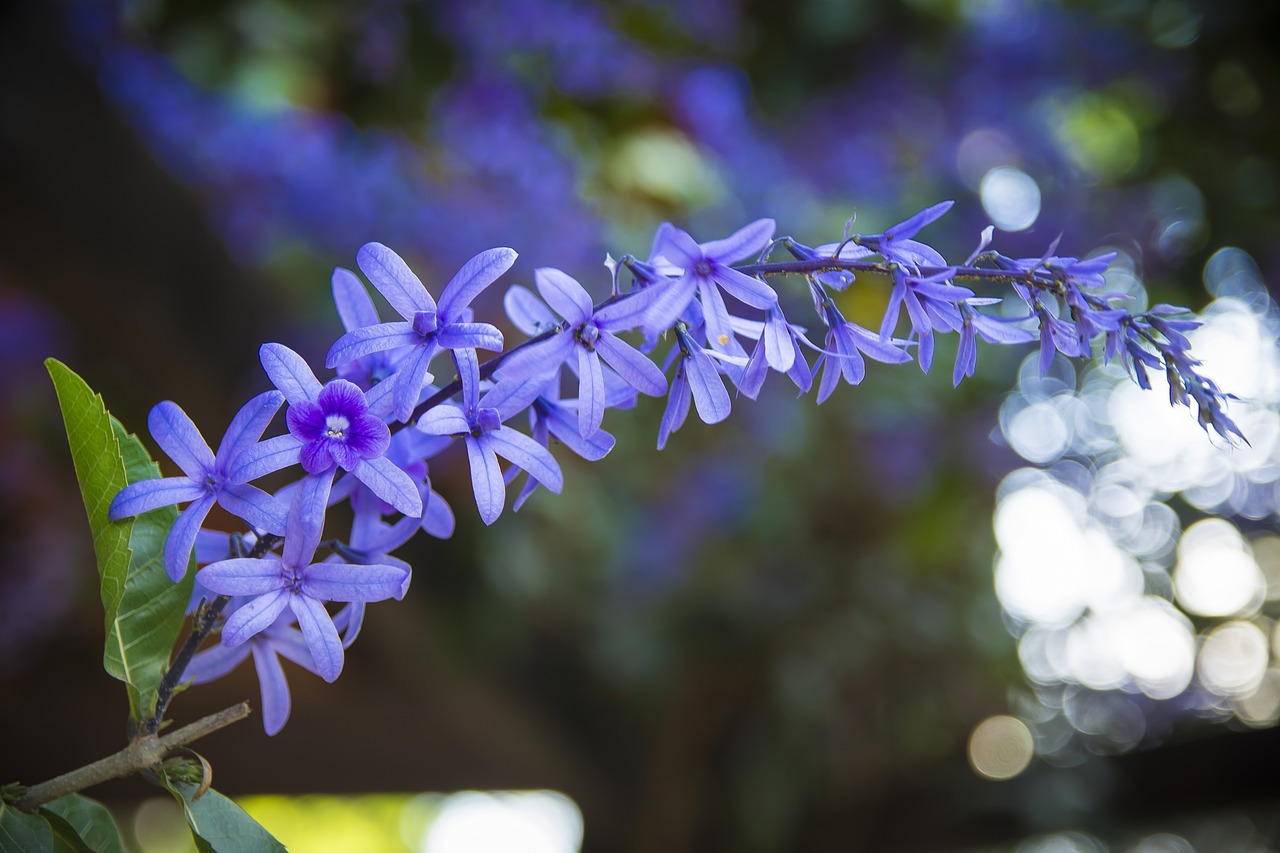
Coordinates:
x,y
394,280
632,365
475,275
590,393
322,638
182,537
744,243
390,483
264,458
368,340
289,372
243,576
486,480
477,335
709,395
254,617
524,452
146,495
274,689
527,311
355,308
564,294
247,426
341,582
180,440
254,506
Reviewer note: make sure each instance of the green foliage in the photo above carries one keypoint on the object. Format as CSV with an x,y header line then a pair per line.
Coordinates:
x,y
143,609
219,825
82,825
23,833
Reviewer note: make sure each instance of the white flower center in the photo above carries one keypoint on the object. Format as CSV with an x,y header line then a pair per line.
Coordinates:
x,y
336,426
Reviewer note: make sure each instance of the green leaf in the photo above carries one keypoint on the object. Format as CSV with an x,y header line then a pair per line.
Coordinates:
x,y
82,824
143,609
220,826
23,833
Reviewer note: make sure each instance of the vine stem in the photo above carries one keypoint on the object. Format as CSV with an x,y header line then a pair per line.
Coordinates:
x,y
144,752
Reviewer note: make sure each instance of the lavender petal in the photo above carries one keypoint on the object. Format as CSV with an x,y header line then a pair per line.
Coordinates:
x,y
394,280
179,439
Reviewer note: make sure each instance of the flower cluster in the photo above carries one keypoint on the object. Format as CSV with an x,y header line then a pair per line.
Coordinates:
x,y
697,309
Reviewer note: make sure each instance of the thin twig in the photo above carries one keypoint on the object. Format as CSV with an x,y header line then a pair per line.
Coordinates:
x,y
146,751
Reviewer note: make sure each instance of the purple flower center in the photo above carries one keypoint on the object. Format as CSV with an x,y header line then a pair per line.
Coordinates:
x,y
337,428
702,268
484,420
588,334
426,323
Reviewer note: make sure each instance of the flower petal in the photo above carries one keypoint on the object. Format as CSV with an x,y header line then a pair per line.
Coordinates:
x,y
254,617
349,582
527,311
444,419
524,452
632,365
475,275
590,392
486,480
741,244
243,576
264,458
394,280
247,426
390,483
368,340
180,440
709,394
255,506
477,335
289,372
274,688
538,359
321,636
146,495
355,308
182,537
564,294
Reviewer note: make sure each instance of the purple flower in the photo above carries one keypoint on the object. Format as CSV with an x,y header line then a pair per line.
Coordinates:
x,y
551,416
590,333
777,346
931,305
292,581
696,377
329,427
209,477
337,429
896,246
845,344
992,329
705,269
479,421
356,311
429,326
281,639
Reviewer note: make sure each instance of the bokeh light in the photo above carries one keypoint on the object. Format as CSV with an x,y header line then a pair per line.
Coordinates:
x,y
1109,595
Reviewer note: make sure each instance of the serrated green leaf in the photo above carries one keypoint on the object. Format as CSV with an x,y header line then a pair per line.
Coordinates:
x,y
82,824
143,609
23,833
220,826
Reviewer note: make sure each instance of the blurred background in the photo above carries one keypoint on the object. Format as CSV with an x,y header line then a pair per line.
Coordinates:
x,y
1033,614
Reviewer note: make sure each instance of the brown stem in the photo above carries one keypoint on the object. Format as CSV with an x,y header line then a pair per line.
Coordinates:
x,y
144,752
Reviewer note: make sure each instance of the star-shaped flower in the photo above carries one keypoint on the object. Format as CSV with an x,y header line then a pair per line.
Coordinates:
x,y
208,477
429,326
589,333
